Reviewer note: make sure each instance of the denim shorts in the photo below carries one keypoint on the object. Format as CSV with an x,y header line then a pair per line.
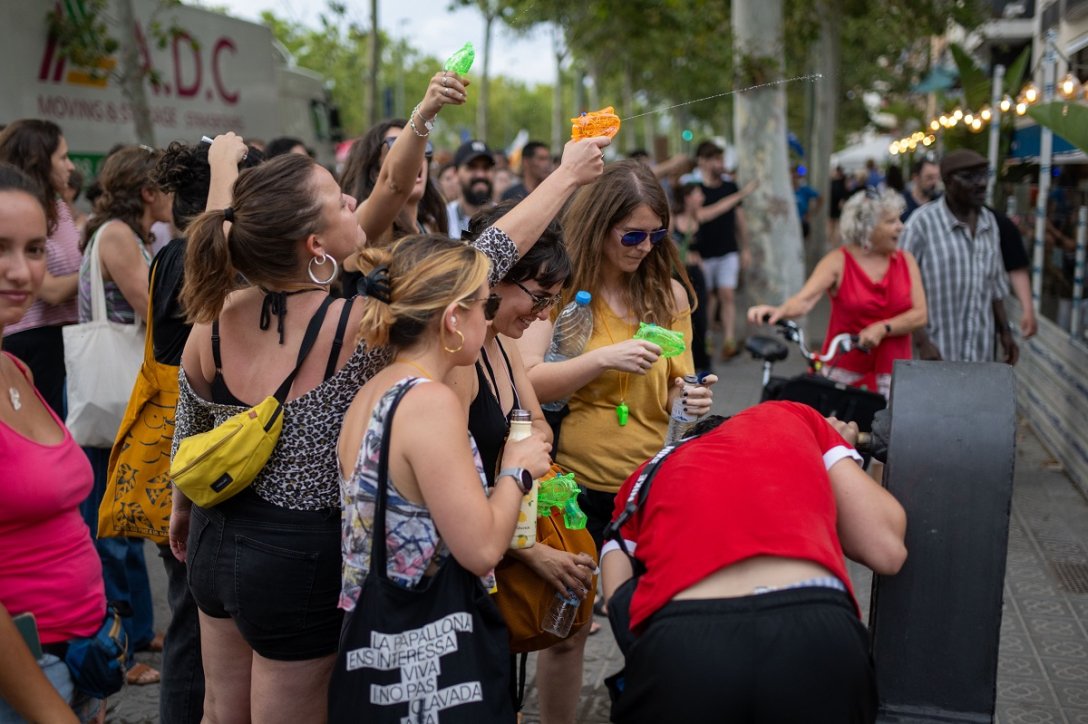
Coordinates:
x,y
274,571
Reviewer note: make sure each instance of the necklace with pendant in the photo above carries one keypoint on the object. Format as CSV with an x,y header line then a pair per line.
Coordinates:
x,y
623,412
16,401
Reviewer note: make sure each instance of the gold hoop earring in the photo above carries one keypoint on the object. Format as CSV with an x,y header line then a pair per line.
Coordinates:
x,y
459,347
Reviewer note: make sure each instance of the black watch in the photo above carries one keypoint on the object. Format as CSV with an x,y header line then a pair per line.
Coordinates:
x,y
521,476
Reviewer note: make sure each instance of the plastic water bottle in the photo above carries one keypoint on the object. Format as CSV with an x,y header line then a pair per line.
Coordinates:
x,y
573,328
560,615
680,421
521,427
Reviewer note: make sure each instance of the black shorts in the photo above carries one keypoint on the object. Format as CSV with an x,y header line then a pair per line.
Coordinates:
x,y
275,571
795,656
598,507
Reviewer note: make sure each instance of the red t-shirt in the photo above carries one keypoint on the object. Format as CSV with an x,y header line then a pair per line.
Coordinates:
x,y
859,302
757,485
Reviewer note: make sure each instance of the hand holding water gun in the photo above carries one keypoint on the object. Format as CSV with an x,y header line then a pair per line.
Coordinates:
x,y
671,342
461,61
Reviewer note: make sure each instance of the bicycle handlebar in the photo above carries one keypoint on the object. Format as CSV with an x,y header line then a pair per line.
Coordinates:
x,y
839,343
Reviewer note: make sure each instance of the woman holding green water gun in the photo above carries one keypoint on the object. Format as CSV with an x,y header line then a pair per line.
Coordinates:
x,y
621,389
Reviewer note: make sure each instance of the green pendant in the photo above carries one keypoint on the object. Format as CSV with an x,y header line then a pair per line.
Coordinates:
x,y
622,412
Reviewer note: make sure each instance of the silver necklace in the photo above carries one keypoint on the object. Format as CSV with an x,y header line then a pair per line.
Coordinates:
x,y
16,402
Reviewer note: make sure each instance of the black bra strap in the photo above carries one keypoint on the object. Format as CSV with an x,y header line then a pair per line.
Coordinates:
x,y
338,340
509,374
216,356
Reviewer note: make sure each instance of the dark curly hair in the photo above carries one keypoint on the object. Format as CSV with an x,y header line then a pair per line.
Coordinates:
x,y
546,263
361,173
28,145
124,175
184,170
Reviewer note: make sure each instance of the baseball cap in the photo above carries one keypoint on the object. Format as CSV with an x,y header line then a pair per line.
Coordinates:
x,y
470,151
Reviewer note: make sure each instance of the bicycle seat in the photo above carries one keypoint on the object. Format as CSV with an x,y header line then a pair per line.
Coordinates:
x,y
766,348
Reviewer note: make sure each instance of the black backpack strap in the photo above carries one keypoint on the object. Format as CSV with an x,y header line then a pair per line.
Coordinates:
x,y
338,340
312,330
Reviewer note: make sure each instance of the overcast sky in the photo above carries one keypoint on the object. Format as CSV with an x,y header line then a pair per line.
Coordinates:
x,y
430,27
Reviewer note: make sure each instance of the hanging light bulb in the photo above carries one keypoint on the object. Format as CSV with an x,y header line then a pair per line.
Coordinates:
x,y
945,121
927,141
1021,108
969,119
1006,104
952,120
957,115
1069,87
1030,93
985,114
894,148
934,125
976,125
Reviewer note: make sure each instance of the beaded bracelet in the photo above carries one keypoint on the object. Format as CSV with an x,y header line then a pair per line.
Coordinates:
x,y
429,125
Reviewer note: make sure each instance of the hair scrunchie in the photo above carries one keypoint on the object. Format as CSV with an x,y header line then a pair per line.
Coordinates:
x,y
376,285
228,214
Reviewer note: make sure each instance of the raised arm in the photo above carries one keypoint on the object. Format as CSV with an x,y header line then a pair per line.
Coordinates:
x,y
721,206
224,155
402,165
583,162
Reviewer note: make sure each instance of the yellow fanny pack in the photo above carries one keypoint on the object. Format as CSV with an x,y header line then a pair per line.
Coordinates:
x,y
216,465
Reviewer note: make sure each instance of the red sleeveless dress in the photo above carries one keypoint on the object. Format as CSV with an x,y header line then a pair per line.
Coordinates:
x,y
860,302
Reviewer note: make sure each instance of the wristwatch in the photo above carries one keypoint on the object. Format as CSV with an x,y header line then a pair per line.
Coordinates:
x,y
521,476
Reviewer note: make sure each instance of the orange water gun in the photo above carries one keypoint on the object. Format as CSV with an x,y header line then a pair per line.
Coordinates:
x,y
604,122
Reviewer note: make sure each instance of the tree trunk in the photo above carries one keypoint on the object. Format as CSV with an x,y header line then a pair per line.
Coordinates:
x,y
774,231
132,75
374,111
828,56
558,125
485,81
629,138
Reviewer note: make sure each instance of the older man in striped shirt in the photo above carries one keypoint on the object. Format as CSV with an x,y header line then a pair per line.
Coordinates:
x,y
957,244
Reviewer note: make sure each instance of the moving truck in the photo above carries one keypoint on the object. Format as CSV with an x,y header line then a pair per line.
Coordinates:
x,y
217,74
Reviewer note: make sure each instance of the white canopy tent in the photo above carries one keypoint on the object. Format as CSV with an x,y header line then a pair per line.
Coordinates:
x,y
853,158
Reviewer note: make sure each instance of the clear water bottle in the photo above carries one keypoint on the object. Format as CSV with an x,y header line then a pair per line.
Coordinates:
x,y
573,328
680,421
560,615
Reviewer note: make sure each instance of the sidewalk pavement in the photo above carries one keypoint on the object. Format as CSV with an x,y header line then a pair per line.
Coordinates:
x,y
1043,667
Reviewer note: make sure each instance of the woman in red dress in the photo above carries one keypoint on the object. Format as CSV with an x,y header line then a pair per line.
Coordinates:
x,y
875,288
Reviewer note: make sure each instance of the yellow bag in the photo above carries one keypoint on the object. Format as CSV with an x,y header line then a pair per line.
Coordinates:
x,y
214,466
137,501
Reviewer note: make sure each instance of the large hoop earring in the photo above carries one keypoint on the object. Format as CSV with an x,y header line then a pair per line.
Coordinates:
x,y
321,262
459,347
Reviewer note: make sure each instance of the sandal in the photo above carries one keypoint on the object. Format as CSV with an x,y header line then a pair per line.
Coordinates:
x,y
155,644
141,675
594,627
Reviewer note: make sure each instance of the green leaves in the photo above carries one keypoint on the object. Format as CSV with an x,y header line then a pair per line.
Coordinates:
x,y
1068,120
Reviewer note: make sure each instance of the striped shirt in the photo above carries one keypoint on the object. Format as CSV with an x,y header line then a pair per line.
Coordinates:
x,y
62,257
962,275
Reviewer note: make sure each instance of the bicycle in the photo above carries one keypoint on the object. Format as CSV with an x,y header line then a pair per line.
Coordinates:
x,y
829,398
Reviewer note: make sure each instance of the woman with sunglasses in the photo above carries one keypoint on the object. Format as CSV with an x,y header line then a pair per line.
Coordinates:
x,y
620,388
498,385
875,288
428,299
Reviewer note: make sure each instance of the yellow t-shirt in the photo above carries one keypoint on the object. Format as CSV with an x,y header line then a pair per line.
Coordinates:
x,y
591,442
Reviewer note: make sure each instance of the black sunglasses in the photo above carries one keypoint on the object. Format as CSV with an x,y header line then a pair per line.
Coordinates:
x,y
491,304
634,238
428,152
540,303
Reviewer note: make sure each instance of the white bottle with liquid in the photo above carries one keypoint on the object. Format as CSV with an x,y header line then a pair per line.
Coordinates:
x,y
521,427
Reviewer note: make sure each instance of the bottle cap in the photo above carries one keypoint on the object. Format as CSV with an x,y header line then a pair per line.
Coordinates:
x,y
520,416
583,298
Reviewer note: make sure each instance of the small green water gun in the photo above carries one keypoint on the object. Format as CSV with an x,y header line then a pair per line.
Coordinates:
x,y
461,61
561,492
671,342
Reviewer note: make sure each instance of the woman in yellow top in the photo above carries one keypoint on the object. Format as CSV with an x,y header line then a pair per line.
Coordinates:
x,y
621,390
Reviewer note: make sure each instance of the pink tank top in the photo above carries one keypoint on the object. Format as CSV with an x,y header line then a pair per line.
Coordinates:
x,y
858,303
48,563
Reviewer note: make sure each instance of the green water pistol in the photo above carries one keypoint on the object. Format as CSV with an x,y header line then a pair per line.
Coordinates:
x,y
461,61
671,342
561,492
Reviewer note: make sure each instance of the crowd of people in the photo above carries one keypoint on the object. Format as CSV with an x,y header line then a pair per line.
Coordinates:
x,y
407,312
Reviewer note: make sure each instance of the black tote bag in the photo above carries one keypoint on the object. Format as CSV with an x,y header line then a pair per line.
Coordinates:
x,y
437,653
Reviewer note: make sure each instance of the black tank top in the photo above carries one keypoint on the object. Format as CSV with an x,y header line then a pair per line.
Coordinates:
x,y
486,420
221,394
